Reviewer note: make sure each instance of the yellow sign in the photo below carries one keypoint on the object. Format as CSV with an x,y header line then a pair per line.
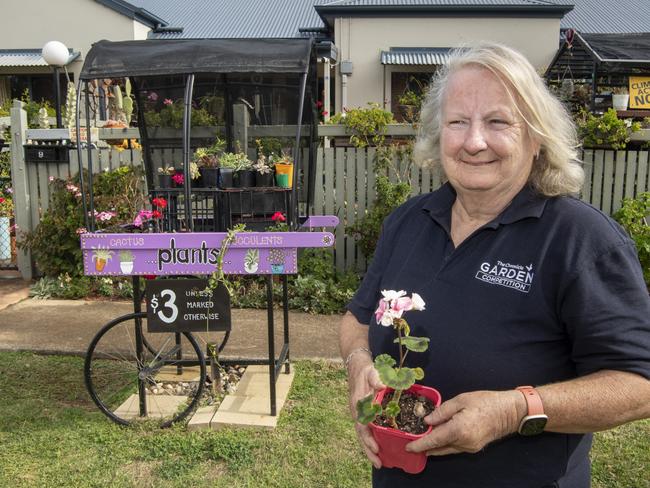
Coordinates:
x,y
640,92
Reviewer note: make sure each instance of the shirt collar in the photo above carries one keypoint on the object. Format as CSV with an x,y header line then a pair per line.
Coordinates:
x,y
527,204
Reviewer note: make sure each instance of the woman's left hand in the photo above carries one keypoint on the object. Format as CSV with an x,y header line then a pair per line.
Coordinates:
x,y
470,421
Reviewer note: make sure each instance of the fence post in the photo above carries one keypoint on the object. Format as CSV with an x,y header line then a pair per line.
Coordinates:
x,y
241,122
20,184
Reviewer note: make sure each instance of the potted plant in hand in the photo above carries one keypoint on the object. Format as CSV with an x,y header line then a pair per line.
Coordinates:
x,y
263,172
396,416
165,176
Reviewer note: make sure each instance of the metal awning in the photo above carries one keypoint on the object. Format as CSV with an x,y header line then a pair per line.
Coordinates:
x,y
27,57
416,56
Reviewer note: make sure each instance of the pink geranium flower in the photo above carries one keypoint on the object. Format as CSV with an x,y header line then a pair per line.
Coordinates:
x,y
393,305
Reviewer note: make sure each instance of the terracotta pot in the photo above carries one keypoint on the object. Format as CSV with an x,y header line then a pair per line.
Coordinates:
x,y
392,442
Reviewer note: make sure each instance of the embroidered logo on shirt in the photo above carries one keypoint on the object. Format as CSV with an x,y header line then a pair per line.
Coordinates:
x,y
513,276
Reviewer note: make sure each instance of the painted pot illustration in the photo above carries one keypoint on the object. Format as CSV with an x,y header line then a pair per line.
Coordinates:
x,y
252,260
101,257
276,259
126,262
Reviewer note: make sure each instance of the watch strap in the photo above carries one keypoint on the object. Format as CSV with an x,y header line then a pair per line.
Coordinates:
x,y
533,400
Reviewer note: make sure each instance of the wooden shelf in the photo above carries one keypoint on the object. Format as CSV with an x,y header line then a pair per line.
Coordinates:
x,y
633,113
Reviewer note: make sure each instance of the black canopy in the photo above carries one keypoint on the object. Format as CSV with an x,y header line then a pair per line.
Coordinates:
x,y
108,59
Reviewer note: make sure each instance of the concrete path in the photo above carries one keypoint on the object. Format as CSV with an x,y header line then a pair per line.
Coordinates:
x,y
67,326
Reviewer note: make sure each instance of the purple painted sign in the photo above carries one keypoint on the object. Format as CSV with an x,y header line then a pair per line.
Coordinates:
x,y
321,221
196,253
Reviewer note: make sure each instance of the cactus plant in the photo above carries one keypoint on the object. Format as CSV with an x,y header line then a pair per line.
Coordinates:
x,y
43,121
70,117
127,102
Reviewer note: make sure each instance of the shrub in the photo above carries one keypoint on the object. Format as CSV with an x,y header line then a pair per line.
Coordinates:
x,y
55,241
365,230
605,130
367,125
633,216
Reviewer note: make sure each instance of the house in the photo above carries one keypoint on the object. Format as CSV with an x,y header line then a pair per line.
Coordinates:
x,y
30,24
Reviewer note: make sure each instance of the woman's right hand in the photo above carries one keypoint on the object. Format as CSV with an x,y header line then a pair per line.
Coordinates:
x,y
363,380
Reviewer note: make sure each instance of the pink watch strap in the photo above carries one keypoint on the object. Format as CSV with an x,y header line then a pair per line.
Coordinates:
x,y
533,400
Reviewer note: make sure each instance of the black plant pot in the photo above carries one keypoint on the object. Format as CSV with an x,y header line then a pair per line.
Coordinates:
x,y
209,177
245,178
263,180
165,181
225,178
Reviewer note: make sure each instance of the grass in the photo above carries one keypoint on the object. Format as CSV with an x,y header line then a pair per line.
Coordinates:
x,y
52,435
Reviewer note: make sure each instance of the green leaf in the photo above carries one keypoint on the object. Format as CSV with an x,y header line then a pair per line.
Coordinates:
x,y
367,410
404,379
415,344
392,409
419,374
384,366
384,360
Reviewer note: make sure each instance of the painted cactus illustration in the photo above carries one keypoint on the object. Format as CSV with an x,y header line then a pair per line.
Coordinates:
x,y
252,260
101,257
276,258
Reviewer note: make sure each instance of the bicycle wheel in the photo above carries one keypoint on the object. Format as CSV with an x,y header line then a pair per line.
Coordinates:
x,y
162,380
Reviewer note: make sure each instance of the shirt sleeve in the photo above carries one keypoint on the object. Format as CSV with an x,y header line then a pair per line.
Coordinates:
x,y
364,302
606,311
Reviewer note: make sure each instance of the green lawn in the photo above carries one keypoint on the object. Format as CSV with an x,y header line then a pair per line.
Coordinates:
x,y
51,435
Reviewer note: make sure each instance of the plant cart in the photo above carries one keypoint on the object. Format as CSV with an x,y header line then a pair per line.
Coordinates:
x,y
150,364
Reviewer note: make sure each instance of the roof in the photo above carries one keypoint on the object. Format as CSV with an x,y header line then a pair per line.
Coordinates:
x,y
133,12
442,3
612,54
617,48
608,16
229,19
442,8
108,59
420,56
27,57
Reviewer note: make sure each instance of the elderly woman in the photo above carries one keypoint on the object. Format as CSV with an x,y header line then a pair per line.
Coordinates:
x,y
524,285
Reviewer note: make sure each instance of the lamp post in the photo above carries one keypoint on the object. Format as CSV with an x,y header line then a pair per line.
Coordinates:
x,y
56,54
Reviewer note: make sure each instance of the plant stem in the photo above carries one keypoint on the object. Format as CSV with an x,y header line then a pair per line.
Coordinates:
x,y
402,357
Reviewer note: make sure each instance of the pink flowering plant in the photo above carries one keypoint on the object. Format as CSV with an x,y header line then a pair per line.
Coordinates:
x,y
390,313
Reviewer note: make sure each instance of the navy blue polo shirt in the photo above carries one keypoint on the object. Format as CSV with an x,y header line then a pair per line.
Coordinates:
x,y
550,290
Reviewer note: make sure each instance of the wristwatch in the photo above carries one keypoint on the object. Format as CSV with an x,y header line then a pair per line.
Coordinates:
x,y
535,420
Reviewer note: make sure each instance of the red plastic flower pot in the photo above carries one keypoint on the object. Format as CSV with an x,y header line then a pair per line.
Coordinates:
x,y
392,442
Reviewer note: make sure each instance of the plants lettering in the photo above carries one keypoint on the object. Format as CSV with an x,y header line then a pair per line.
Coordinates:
x,y
173,255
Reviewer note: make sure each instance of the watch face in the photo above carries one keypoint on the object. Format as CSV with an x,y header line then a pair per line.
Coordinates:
x,y
533,425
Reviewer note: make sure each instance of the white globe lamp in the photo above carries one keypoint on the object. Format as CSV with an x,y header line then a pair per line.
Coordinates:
x,y
56,54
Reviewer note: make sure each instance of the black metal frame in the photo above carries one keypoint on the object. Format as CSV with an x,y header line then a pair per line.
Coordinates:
x,y
216,210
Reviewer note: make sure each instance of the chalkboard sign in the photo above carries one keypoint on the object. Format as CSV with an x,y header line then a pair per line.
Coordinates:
x,y
186,306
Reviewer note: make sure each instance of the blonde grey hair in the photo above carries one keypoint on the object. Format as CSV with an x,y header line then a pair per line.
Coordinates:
x,y
556,169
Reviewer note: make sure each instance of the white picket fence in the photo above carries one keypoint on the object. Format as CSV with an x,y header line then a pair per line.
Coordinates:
x,y
345,179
